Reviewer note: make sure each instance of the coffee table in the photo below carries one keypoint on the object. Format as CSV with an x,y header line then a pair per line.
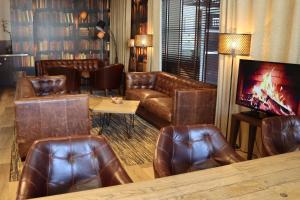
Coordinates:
x,y
104,106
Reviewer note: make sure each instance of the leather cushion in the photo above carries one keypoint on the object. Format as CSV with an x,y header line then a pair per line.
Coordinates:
x,y
161,107
165,83
143,94
281,134
67,164
48,85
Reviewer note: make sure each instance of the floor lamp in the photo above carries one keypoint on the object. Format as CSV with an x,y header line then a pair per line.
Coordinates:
x,y
233,44
144,41
100,27
132,59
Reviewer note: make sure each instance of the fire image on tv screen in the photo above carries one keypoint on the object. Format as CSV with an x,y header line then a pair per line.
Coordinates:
x,y
269,87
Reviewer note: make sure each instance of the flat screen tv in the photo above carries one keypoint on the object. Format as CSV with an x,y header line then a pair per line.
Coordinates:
x,y
269,87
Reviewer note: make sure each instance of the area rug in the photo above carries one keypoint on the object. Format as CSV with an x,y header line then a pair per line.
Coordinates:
x,y
137,150
16,164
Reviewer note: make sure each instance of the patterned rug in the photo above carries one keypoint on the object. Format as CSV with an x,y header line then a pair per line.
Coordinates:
x,y
137,150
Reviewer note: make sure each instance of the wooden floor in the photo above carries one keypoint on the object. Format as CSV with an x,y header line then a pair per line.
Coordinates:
x,y
8,189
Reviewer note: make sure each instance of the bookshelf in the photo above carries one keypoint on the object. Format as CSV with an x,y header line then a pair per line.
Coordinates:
x,y
139,21
53,29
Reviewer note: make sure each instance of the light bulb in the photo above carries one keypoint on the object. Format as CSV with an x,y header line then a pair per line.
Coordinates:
x,y
233,45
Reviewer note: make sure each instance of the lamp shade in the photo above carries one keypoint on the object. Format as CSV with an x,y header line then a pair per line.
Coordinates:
x,y
100,35
100,25
83,15
131,43
234,43
143,40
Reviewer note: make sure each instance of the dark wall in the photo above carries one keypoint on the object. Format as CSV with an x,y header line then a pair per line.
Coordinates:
x,y
7,69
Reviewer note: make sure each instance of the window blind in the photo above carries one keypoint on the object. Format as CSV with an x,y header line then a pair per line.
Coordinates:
x,y
190,38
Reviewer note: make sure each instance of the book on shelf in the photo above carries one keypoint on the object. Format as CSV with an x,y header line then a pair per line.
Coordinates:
x,y
52,29
22,16
84,32
68,45
43,45
53,4
22,32
67,55
55,45
26,61
47,18
89,45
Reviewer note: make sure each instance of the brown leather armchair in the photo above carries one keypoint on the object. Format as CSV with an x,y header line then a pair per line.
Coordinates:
x,y
107,78
280,134
73,77
181,149
69,164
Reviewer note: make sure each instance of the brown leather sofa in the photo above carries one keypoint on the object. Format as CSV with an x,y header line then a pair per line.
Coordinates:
x,y
280,134
169,100
81,65
44,110
69,164
182,149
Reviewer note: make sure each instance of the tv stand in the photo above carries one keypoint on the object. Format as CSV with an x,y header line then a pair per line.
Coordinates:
x,y
254,119
257,114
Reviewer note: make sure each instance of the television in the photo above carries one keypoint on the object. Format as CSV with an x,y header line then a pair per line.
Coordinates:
x,y
269,87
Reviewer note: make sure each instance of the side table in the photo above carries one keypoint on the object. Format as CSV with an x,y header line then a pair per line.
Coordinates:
x,y
254,119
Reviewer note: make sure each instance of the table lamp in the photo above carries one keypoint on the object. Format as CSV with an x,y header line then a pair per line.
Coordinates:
x,y
144,41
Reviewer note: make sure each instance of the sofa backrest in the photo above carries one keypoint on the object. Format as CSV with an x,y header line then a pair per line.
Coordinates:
x,y
140,80
50,116
168,83
79,64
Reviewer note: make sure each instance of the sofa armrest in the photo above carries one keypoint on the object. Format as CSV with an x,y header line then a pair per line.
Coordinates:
x,y
194,106
140,80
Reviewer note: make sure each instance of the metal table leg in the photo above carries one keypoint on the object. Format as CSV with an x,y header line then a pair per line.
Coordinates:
x,y
129,125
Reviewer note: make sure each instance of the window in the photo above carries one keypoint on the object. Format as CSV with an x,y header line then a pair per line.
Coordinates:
x,y
190,38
